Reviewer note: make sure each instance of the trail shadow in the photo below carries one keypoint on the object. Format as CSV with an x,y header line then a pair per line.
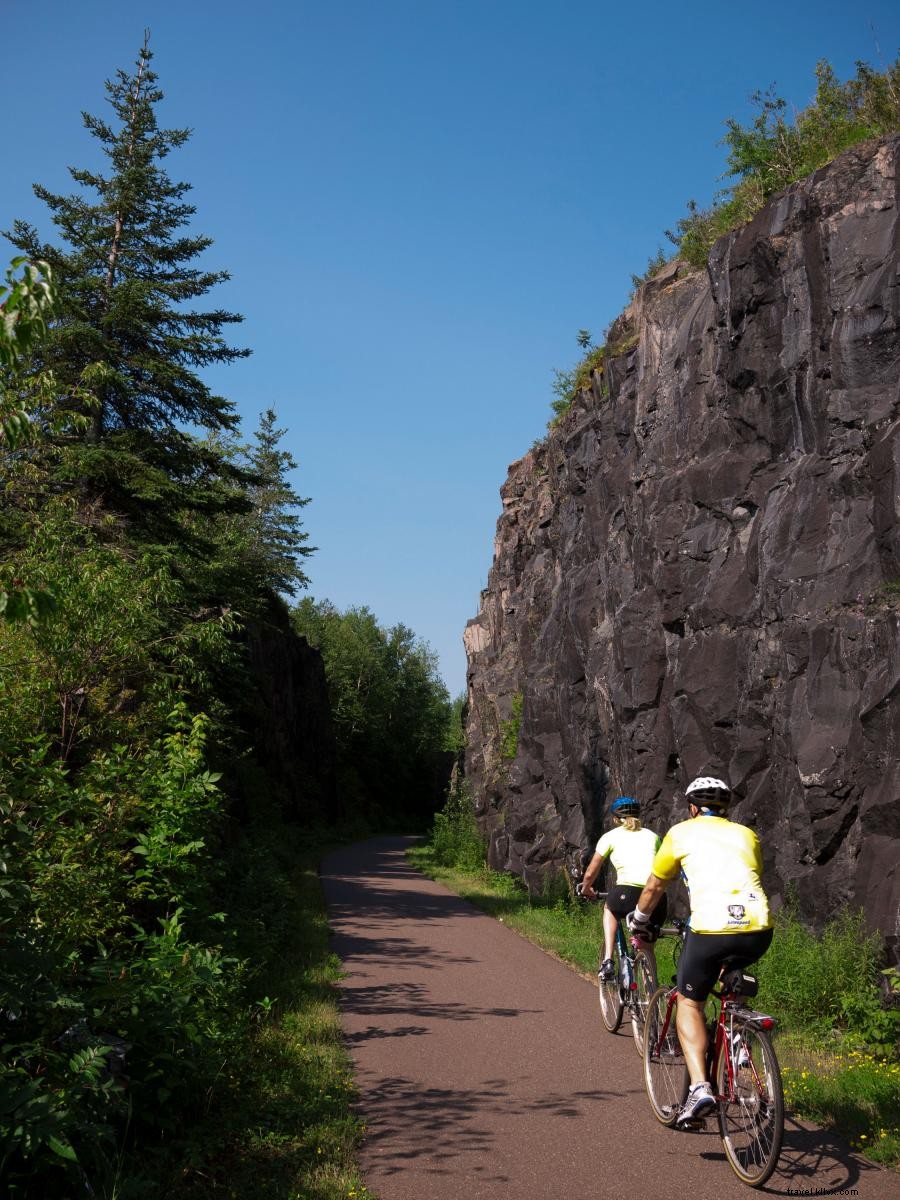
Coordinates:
x,y
814,1160
407,1122
392,999
373,949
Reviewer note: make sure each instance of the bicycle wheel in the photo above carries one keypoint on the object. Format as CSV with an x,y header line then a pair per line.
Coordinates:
x,y
646,984
751,1114
665,1072
611,1004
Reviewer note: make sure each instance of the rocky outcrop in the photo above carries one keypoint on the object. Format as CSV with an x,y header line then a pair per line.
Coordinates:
x,y
699,568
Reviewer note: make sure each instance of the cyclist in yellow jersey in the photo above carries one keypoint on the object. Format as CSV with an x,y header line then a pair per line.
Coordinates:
x,y
730,925
630,848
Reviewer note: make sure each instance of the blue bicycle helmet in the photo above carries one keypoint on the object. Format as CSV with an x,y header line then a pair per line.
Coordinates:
x,y
625,806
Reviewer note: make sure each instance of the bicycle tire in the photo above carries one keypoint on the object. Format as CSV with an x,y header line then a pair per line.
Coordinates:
x,y
647,983
751,1120
611,1004
665,1071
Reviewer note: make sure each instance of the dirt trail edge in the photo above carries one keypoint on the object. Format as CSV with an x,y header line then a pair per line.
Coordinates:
x,y
484,1070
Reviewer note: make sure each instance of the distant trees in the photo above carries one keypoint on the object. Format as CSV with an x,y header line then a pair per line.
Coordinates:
x,y
392,712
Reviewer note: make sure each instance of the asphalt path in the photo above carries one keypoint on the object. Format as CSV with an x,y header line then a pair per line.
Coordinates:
x,y
484,1070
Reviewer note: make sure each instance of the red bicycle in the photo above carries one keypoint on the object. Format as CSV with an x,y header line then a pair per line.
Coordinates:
x,y
742,1068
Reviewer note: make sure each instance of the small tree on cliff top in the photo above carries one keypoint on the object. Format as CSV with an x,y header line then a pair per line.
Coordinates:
x,y
126,278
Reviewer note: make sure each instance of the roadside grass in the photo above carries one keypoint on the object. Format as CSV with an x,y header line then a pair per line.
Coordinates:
x,y
851,1091
279,1123
836,1045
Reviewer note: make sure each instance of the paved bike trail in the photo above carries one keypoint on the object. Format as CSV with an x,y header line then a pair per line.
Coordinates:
x,y
484,1070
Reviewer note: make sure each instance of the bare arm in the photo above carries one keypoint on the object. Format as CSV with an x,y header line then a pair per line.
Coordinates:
x,y
652,894
590,875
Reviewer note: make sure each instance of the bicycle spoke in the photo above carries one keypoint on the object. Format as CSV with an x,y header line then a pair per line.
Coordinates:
x,y
665,1074
645,979
611,1004
751,1111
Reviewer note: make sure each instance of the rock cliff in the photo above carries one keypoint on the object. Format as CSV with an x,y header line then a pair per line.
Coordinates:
x,y
699,569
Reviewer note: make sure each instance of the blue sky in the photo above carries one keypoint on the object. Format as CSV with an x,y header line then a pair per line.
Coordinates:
x,y
420,204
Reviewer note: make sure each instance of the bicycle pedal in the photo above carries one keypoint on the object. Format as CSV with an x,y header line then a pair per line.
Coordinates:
x,y
696,1125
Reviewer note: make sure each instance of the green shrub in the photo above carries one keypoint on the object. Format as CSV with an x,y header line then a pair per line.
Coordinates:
x,y
772,152
104,908
567,384
509,730
828,981
456,840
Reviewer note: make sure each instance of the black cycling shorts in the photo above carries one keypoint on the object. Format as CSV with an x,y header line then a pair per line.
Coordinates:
x,y
705,954
623,898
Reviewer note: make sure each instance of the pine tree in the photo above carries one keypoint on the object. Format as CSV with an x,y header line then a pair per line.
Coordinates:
x,y
127,276
276,536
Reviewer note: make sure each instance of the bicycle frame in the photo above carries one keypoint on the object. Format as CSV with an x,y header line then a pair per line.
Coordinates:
x,y
722,1040
723,1044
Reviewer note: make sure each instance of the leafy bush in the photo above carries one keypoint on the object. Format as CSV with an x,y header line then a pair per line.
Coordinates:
x,y
655,264
772,152
456,840
567,384
828,981
509,730
102,981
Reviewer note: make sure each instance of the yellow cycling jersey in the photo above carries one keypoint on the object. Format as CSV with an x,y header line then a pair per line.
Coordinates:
x,y
721,862
630,852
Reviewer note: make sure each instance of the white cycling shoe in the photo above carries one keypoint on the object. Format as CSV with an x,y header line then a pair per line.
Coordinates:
x,y
700,1103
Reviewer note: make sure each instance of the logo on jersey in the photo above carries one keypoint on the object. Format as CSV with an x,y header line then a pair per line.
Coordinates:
x,y
736,911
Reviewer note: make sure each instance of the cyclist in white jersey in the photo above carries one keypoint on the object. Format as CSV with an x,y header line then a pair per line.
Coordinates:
x,y
630,848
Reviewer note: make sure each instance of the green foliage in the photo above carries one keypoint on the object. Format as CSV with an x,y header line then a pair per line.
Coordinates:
x,y
100,879
455,738
567,384
655,263
119,647
825,981
276,540
509,730
390,708
851,1091
455,839
26,304
126,281
772,151
277,1120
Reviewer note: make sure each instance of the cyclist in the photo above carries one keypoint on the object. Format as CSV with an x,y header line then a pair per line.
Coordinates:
x,y
630,848
730,925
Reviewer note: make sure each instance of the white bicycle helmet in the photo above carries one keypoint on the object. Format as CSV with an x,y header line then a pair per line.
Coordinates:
x,y
708,792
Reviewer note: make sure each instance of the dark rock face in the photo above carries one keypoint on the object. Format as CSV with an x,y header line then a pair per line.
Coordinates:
x,y
291,716
693,572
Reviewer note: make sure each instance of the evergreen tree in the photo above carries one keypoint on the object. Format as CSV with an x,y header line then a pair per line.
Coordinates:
x,y
127,276
276,536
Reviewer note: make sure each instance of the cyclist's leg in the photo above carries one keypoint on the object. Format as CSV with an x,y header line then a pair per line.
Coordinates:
x,y
610,922
698,970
